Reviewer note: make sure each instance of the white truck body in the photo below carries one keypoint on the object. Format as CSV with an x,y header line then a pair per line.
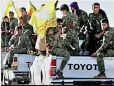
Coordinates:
x,y
78,68
21,73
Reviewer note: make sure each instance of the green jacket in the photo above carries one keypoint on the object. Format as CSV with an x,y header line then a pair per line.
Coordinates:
x,y
82,18
14,40
95,22
25,42
13,23
108,40
69,20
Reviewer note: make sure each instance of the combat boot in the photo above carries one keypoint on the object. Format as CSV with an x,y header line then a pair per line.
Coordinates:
x,y
59,74
101,75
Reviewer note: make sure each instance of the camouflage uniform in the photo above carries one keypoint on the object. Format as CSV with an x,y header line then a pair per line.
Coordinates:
x,y
82,22
24,44
106,49
13,24
27,17
70,24
5,36
82,18
59,49
14,40
94,20
25,41
30,28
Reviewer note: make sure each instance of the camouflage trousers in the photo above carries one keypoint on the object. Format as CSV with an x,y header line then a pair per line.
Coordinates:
x,y
73,39
5,39
63,53
101,55
13,51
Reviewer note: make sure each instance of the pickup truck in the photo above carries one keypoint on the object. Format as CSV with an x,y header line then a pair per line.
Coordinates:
x,y
78,69
19,73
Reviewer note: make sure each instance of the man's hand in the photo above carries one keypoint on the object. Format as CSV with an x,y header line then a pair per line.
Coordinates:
x,y
97,36
94,55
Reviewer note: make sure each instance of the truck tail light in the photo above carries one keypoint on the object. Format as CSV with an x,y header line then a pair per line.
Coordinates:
x,y
15,64
14,59
52,70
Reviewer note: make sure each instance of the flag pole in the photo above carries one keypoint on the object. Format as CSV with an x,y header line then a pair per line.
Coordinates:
x,y
15,8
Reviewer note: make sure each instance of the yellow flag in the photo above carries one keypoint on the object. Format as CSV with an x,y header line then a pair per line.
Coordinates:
x,y
43,18
31,8
9,5
17,11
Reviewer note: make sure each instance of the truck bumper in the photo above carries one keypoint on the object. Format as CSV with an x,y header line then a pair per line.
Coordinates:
x,y
81,81
18,76
22,77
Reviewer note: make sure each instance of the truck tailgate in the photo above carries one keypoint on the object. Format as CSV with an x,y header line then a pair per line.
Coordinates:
x,y
24,61
85,67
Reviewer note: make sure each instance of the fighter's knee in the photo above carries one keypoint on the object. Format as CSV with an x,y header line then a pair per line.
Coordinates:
x,y
100,55
66,59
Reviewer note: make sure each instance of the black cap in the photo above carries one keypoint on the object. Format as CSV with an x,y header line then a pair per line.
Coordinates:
x,y
105,20
64,7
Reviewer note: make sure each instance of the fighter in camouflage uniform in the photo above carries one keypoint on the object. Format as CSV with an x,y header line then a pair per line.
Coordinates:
x,y
24,44
82,15
26,26
13,22
106,49
94,19
71,29
82,23
57,47
55,43
5,31
14,39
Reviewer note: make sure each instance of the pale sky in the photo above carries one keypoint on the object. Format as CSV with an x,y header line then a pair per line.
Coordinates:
x,y
86,5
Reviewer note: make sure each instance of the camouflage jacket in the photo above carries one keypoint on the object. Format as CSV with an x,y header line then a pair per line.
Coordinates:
x,y
95,19
24,41
27,18
82,18
50,40
28,27
13,23
14,40
5,26
70,21
108,40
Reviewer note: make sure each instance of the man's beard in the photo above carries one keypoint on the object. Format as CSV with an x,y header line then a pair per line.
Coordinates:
x,y
72,11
